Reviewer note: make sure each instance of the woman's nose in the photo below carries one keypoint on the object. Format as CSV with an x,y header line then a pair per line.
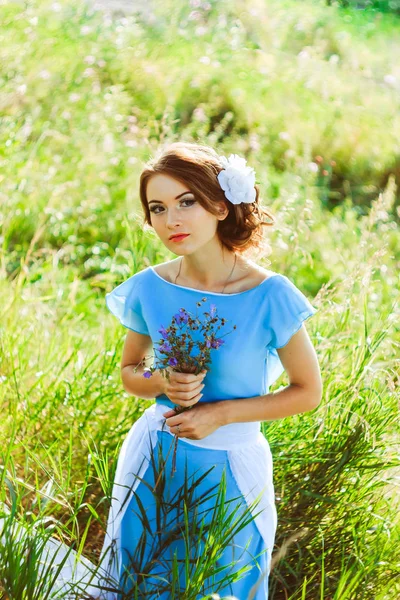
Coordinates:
x,y
172,218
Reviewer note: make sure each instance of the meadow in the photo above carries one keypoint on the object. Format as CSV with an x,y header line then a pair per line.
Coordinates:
x,y
309,93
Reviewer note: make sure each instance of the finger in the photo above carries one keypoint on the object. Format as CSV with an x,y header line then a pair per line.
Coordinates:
x,y
185,391
186,387
185,434
179,434
187,403
191,402
188,377
174,421
189,394
170,413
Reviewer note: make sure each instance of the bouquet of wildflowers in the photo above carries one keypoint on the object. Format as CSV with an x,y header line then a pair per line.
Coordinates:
x,y
177,346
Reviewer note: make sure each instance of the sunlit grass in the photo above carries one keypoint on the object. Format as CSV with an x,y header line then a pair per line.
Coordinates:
x,y
310,95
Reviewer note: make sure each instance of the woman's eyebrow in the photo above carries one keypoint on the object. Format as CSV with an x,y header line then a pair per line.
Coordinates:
x,y
177,197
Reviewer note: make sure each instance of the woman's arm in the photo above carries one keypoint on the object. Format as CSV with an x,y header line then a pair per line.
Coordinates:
x,y
304,392
134,353
134,383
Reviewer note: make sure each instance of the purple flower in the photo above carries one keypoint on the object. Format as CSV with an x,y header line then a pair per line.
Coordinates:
x,y
171,338
181,317
217,343
147,374
163,332
165,347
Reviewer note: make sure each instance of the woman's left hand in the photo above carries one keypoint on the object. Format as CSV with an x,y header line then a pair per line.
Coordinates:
x,y
197,423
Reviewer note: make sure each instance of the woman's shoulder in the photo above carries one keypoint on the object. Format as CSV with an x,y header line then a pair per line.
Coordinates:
x,y
132,283
140,275
256,275
167,270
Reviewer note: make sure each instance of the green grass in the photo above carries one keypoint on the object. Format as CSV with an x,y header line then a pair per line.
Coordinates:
x,y
85,100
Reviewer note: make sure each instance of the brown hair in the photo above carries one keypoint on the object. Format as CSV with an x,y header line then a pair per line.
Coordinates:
x,y
197,166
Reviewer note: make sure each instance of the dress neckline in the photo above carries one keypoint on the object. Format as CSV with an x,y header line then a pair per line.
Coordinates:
x,y
213,293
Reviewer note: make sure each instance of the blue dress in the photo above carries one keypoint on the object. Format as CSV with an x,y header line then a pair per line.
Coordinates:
x,y
244,366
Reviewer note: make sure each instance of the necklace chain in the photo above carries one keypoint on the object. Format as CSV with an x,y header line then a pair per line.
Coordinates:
x,y
230,275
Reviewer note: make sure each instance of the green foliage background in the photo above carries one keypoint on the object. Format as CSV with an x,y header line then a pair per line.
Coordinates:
x,y
309,93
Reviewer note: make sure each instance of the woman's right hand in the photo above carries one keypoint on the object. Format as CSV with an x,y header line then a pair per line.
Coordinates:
x,y
184,389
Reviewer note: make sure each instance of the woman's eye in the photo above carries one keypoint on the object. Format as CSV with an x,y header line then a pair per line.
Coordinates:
x,y
153,210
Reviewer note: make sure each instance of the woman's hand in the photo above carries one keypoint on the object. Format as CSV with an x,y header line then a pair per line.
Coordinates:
x,y
184,388
197,423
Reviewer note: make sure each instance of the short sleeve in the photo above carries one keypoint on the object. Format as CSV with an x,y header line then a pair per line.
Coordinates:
x,y
124,302
288,308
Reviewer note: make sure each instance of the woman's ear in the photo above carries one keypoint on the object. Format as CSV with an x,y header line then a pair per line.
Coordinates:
x,y
223,211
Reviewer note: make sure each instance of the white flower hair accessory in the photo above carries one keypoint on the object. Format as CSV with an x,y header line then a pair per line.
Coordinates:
x,y
237,180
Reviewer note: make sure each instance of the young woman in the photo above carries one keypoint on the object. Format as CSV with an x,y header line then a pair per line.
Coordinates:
x,y
206,209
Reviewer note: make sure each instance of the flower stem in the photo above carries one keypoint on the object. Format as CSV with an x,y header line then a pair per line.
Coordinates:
x,y
174,456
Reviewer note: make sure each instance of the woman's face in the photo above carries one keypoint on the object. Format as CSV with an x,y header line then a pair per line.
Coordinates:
x,y
174,209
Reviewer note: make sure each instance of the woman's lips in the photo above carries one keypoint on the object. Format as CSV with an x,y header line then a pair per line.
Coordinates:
x,y
179,238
